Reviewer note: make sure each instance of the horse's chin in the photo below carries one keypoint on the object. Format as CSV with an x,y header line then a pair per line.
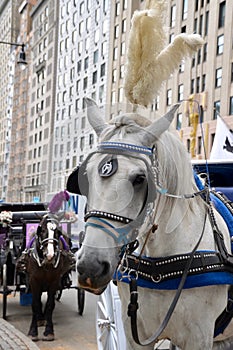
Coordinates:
x,y
94,291
91,287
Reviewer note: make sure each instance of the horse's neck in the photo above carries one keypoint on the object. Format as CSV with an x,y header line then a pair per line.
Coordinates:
x,y
180,224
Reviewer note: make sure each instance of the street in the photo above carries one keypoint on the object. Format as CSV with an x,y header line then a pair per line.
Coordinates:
x,y
72,331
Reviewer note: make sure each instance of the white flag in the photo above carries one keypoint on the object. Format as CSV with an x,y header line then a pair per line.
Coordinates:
x,y
223,142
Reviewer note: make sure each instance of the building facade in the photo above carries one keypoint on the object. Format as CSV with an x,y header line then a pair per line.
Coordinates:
x,y
42,92
203,84
9,27
79,49
20,115
83,59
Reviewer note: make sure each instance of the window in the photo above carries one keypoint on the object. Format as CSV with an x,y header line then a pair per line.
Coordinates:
x,y
97,36
192,86
91,139
178,121
86,63
115,53
96,56
81,28
85,80
122,71
185,9
79,66
114,75
199,56
173,16
216,109
200,24
88,24
198,84
123,26
121,95
123,48
221,17
218,77
117,9
83,122
206,22
94,77
80,47
102,70
82,142
220,44
116,32
231,106
203,82
101,93
113,97
81,8
205,52
180,92
87,44
97,15
104,48
169,97
105,27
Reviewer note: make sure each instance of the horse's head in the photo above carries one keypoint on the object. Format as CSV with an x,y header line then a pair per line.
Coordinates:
x,y
119,180
49,241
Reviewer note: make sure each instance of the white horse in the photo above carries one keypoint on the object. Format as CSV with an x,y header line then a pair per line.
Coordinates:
x,y
122,199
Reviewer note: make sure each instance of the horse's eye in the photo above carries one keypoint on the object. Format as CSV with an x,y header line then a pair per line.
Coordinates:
x,y
139,179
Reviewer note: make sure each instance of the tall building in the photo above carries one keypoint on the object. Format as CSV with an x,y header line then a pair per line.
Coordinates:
x,y
79,49
121,14
205,82
9,26
42,92
83,59
20,116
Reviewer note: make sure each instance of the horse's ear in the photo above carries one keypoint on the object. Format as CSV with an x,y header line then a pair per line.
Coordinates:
x,y
94,116
154,130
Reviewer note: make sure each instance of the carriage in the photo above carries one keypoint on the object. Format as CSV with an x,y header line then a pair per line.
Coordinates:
x,y
18,222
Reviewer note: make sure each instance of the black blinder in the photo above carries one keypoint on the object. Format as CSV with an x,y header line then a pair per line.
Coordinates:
x,y
77,181
108,166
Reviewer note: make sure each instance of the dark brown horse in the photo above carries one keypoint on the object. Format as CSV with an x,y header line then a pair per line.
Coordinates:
x,y
46,259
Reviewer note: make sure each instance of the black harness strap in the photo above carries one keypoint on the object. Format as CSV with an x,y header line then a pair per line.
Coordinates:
x,y
133,306
165,269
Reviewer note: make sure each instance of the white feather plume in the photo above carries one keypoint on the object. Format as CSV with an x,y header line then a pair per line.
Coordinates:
x,y
149,62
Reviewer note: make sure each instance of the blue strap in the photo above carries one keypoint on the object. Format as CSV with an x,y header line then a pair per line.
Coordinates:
x,y
193,281
121,231
125,147
219,206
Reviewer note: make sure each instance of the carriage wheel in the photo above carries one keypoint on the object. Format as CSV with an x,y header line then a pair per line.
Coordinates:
x,y
81,300
5,290
58,294
106,327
